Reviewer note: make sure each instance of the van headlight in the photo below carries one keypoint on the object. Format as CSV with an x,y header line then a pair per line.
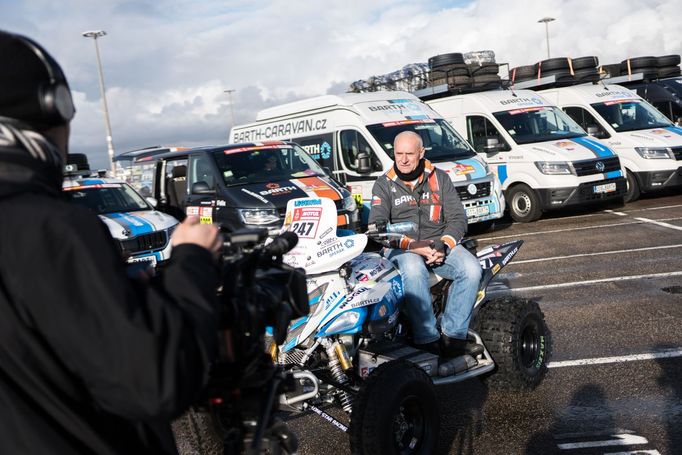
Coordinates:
x,y
258,216
554,167
655,153
349,204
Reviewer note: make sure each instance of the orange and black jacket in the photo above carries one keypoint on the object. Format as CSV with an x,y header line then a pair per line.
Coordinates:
x,y
432,204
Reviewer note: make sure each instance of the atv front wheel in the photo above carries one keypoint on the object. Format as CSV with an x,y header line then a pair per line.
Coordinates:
x,y
516,335
396,412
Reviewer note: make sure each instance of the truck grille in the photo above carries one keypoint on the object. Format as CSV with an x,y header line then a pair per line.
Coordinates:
x,y
482,190
145,242
589,167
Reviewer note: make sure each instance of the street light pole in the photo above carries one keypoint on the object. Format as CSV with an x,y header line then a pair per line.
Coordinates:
x,y
547,20
94,34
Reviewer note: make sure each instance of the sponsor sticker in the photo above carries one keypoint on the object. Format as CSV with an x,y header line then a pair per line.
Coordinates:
x,y
307,202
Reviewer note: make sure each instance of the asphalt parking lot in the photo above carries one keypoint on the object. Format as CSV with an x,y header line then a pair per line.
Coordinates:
x,y
610,285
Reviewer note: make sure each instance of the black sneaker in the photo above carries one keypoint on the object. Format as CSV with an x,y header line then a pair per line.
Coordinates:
x,y
455,347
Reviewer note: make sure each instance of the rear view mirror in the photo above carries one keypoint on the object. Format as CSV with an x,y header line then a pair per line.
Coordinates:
x,y
202,188
492,145
364,166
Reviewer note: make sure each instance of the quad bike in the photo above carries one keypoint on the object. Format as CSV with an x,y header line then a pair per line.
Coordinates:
x,y
353,349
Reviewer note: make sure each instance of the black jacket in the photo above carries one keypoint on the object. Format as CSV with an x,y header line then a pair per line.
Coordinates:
x,y
91,361
433,205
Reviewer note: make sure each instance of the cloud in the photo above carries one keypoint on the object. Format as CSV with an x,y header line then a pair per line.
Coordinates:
x,y
167,62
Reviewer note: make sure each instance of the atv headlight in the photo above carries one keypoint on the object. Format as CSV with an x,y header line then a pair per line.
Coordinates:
x,y
343,322
349,204
258,216
655,153
554,167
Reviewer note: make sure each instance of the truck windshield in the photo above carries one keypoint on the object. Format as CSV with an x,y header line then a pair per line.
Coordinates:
x,y
104,198
265,163
538,124
440,140
631,115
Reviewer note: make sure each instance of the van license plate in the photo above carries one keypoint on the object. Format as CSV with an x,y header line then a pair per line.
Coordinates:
x,y
478,211
606,188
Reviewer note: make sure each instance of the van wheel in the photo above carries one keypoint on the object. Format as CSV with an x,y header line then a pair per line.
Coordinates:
x,y
632,191
524,204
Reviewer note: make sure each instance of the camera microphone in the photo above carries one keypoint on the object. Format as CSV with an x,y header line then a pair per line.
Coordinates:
x,y
282,244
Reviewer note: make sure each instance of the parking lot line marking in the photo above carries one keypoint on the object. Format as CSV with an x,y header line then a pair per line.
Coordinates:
x,y
636,452
554,231
616,213
656,208
570,256
620,440
601,280
659,223
663,354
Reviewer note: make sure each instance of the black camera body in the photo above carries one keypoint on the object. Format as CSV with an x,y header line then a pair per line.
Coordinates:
x,y
258,291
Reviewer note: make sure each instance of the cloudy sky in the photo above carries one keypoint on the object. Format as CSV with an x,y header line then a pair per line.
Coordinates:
x,y
167,63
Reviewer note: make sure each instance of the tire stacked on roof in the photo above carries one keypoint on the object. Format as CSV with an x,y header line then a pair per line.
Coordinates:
x,y
585,69
566,71
647,66
451,69
668,66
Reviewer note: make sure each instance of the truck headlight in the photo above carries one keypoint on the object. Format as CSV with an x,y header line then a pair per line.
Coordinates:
x,y
258,216
654,153
349,204
554,167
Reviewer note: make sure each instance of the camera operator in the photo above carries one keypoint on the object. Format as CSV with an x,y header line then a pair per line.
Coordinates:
x,y
90,361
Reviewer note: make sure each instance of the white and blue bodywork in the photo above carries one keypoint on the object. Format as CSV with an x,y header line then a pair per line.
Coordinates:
x,y
141,232
348,291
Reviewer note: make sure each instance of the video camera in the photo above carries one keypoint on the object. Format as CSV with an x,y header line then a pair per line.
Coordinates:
x,y
258,291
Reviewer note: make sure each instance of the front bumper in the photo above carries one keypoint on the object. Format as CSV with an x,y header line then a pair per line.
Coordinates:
x,y
555,198
657,180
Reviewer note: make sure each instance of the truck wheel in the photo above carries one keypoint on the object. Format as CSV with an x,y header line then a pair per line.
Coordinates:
x,y
396,412
524,204
516,335
632,188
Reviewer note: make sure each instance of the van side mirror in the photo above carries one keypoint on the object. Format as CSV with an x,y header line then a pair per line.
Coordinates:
x,y
364,166
679,121
152,201
593,130
492,145
327,171
202,188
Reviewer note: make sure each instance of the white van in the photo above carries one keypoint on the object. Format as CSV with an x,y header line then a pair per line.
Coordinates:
x,y
351,135
648,143
542,157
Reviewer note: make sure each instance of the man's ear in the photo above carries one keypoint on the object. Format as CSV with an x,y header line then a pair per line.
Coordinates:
x,y
421,154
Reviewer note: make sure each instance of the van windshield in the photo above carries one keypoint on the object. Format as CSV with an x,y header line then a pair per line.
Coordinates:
x,y
265,163
538,124
631,115
440,140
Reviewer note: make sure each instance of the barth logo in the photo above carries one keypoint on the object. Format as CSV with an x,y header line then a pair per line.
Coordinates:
x,y
272,185
330,250
277,190
403,199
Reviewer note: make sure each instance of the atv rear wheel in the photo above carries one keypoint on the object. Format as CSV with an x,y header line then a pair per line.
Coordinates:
x,y
396,412
514,332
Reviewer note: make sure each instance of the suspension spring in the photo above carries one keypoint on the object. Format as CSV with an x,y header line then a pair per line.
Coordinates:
x,y
338,375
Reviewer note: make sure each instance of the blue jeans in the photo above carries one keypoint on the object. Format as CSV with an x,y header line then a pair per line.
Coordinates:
x,y
462,268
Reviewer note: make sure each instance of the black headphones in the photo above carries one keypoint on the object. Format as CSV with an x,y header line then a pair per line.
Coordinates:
x,y
55,99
